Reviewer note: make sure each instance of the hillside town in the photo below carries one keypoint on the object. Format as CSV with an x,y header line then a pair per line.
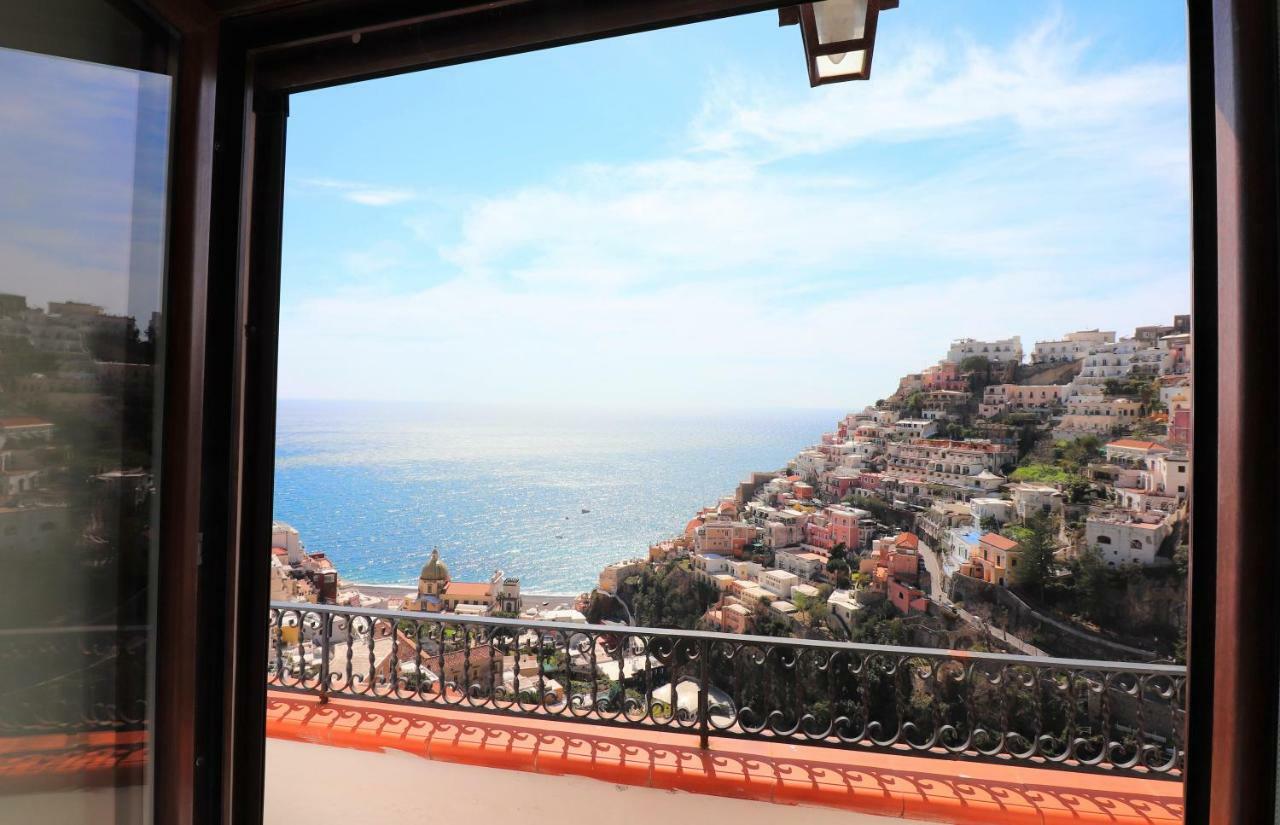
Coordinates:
x,y
78,395
997,499
1032,490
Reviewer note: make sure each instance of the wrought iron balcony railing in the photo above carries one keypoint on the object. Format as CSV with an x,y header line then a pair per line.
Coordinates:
x,y
73,679
1119,717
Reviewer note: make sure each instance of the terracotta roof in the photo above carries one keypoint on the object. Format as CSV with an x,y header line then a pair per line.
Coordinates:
x,y
467,590
998,541
1133,444
908,540
458,658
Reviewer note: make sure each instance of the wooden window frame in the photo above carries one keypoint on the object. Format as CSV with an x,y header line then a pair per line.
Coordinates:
x,y
239,61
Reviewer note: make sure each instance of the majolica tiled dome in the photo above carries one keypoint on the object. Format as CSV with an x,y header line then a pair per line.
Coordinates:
x,y
434,570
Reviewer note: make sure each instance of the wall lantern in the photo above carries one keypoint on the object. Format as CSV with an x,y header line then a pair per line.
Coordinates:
x,y
839,37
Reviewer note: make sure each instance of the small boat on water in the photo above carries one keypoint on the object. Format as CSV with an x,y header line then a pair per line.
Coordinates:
x,y
585,510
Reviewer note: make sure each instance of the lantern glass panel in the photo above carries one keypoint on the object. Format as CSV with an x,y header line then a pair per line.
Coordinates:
x,y
840,65
839,20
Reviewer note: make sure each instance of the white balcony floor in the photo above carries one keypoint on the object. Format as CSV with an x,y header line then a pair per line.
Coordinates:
x,y
321,784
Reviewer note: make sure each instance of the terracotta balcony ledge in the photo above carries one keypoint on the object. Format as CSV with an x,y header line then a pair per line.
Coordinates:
x,y
889,785
57,761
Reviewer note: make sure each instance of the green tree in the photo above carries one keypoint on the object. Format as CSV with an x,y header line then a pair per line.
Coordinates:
x,y
812,610
839,570
1035,563
1078,453
1077,489
668,596
1041,474
1092,585
767,623
914,405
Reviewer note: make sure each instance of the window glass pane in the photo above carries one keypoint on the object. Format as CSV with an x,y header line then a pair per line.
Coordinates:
x,y
83,160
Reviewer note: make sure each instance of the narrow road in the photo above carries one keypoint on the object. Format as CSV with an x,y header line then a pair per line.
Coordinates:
x,y
936,592
934,566
1025,648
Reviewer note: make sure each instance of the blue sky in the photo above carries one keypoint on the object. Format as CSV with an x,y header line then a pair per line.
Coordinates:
x,y
83,167
676,219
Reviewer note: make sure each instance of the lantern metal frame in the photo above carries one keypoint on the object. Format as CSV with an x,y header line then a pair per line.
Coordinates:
x,y
813,49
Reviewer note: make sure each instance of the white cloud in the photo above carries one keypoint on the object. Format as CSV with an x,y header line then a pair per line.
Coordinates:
x,y
791,255
1044,143
476,341
364,194
1039,83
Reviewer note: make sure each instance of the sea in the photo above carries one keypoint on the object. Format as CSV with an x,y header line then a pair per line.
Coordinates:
x,y
550,496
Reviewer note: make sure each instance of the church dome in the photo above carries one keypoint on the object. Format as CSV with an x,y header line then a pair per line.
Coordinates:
x,y
434,570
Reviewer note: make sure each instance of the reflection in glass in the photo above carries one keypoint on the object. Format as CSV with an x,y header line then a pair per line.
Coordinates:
x,y
83,157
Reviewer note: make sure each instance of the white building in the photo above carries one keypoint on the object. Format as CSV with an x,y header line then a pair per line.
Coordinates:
x,y
706,566
808,566
1128,538
1170,474
1175,393
971,465
916,427
1072,347
810,464
994,508
779,582
286,537
783,608
804,591
1123,359
1094,413
1035,499
843,604
1005,350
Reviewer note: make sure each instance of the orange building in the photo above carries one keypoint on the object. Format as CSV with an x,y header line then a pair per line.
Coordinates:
x,y
995,561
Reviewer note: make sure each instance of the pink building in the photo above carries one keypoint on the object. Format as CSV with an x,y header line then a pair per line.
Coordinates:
x,y
817,532
1180,426
735,618
844,525
944,375
840,486
870,481
907,599
895,568
724,536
